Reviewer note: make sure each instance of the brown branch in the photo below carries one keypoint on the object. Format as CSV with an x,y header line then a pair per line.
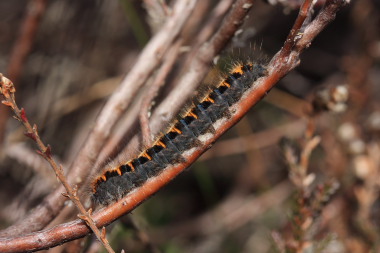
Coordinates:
x,y
291,39
319,23
310,145
277,68
283,62
148,60
8,91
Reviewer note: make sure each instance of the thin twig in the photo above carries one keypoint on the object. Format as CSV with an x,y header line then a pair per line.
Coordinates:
x,y
8,91
306,152
291,39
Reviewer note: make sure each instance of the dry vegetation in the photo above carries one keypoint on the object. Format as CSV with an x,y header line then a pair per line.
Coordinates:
x,y
299,173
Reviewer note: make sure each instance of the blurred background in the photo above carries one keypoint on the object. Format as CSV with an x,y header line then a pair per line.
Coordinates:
x,y
299,173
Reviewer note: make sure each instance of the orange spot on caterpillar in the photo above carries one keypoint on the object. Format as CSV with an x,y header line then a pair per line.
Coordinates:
x,y
118,170
237,69
104,177
176,130
208,99
192,114
145,154
131,165
225,84
160,143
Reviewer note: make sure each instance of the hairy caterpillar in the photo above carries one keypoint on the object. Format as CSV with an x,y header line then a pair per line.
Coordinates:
x,y
185,133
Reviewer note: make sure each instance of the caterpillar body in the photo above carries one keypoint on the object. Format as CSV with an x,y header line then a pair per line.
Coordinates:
x,y
185,133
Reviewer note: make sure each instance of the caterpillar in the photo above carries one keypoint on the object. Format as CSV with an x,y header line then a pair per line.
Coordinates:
x,y
185,133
